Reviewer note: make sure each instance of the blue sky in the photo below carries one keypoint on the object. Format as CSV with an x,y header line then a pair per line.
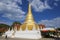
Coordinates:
x,y
45,12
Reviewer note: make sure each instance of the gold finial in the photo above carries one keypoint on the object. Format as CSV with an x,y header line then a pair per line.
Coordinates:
x,y
29,9
29,14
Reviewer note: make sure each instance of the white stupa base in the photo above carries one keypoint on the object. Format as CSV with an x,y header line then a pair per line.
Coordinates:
x,y
26,34
8,33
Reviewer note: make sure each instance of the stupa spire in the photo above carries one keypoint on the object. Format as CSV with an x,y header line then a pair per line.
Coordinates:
x,y
29,9
29,16
29,23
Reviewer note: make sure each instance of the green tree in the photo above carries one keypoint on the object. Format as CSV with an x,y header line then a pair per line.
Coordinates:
x,y
13,24
4,28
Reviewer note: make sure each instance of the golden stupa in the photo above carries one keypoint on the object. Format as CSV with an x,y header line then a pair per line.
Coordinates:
x,y
29,23
29,29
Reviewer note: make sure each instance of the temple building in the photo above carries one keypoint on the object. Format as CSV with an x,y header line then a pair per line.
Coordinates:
x,y
41,26
29,29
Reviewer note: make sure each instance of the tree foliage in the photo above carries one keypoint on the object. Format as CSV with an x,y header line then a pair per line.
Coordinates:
x,y
13,24
4,27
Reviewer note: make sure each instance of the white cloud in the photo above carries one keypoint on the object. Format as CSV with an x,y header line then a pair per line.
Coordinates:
x,y
54,22
56,0
39,6
11,10
4,22
14,16
55,4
